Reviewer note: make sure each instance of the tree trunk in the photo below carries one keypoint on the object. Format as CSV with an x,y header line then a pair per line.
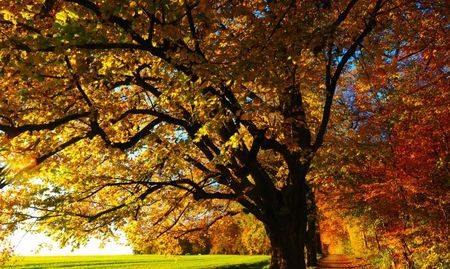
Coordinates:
x,y
318,243
406,255
284,215
287,247
311,246
287,232
378,242
311,243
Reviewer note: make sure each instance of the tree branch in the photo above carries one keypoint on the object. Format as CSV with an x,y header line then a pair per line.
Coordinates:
x,y
88,46
12,131
211,223
77,82
132,141
61,147
192,29
46,7
331,85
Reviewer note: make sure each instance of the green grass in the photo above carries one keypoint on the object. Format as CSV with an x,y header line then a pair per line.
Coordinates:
x,y
140,262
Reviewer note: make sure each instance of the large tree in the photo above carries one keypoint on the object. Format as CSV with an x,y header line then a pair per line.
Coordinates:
x,y
128,107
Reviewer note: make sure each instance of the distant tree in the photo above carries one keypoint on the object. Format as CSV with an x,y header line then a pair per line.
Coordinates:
x,y
239,234
132,108
395,158
405,184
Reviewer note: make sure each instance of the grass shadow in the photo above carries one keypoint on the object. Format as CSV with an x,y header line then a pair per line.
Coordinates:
x,y
258,265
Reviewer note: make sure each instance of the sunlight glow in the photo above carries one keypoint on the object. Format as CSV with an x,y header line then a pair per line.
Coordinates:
x,y
26,244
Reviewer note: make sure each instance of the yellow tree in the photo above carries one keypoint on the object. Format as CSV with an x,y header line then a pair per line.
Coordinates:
x,y
114,109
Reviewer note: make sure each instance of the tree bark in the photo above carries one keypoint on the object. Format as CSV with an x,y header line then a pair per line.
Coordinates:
x,y
311,231
287,242
286,225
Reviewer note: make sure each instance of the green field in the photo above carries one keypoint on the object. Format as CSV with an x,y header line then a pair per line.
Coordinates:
x,y
140,261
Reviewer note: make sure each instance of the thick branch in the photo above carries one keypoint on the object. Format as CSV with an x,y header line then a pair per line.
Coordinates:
x,y
12,131
230,102
88,46
193,30
341,18
127,27
132,141
161,116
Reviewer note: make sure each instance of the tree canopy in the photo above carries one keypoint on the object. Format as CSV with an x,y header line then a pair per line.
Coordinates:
x,y
117,111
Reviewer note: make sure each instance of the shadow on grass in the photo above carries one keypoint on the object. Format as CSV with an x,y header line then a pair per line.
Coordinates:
x,y
258,265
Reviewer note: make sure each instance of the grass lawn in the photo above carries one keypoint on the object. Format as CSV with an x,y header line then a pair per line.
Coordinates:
x,y
140,261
